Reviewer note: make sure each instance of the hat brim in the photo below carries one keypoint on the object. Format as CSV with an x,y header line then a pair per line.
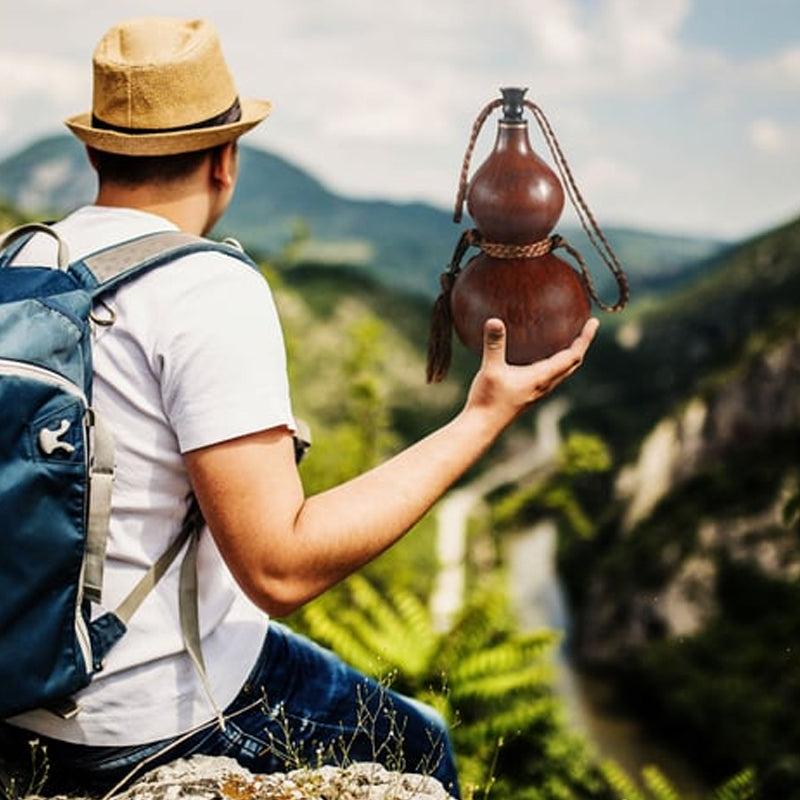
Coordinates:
x,y
171,142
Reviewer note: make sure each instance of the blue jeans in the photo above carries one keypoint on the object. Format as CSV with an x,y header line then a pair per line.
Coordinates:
x,y
300,706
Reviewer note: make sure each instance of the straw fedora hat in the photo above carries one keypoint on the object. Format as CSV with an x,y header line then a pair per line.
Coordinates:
x,y
161,87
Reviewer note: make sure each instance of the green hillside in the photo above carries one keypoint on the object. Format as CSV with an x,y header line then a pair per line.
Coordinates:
x,y
689,338
321,306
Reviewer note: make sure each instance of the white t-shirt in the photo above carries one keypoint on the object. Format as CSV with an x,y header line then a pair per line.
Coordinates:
x,y
195,357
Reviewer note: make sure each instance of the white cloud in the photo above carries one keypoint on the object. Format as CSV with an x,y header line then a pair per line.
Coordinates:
x,y
771,138
379,99
26,72
39,91
603,175
788,64
554,29
777,72
643,37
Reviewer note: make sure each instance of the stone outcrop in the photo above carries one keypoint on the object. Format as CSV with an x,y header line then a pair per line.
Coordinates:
x,y
765,398
219,778
761,399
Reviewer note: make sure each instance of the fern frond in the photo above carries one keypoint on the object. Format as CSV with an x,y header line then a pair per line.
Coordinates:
x,y
741,786
620,782
534,678
504,657
398,628
514,719
341,639
485,619
416,615
375,633
658,785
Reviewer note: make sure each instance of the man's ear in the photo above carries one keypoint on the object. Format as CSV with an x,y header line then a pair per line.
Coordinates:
x,y
223,164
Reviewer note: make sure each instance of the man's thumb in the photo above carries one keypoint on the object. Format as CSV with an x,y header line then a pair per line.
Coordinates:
x,y
494,340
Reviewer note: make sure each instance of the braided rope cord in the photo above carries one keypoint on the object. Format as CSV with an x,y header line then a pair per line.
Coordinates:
x,y
587,220
535,249
463,179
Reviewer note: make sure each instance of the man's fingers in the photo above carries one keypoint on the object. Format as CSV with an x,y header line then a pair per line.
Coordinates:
x,y
562,364
587,334
573,355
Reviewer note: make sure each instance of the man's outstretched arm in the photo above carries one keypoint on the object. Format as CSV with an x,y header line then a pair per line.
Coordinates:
x,y
285,549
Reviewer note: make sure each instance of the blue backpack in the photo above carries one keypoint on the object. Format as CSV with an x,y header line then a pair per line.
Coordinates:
x,y
56,472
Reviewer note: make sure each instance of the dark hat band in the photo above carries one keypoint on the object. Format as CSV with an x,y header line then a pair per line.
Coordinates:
x,y
227,117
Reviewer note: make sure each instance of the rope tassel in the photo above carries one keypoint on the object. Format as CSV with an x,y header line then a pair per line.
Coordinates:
x,y
440,339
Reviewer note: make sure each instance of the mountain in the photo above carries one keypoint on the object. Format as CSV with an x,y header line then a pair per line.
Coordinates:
x,y
279,208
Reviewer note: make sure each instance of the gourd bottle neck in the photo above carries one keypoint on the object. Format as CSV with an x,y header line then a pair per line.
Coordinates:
x,y
512,137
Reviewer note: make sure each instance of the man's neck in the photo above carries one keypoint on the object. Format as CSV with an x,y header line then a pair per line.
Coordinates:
x,y
188,211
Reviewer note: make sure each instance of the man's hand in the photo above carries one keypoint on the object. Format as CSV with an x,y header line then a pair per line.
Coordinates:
x,y
504,391
284,549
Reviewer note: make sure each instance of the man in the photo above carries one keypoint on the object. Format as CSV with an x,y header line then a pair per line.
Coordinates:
x,y
191,378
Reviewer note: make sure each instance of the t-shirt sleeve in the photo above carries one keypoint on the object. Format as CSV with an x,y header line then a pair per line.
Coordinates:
x,y
221,353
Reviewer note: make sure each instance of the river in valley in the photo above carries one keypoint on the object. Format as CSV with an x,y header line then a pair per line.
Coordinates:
x,y
539,601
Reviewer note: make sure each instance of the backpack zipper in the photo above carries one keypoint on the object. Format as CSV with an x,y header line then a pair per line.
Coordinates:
x,y
21,369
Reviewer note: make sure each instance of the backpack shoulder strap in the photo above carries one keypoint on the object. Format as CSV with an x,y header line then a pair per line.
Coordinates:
x,y
12,241
111,268
123,262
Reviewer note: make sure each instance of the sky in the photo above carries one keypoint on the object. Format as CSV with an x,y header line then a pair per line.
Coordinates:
x,y
678,116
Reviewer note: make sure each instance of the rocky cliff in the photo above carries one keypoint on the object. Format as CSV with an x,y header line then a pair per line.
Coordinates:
x,y
752,411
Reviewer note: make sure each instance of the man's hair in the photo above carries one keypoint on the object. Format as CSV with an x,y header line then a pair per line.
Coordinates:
x,y
130,171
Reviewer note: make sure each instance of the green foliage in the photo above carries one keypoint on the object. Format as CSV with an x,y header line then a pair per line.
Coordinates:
x,y
351,424
580,455
654,785
583,452
687,341
366,395
621,783
353,348
9,216
376,634
741,786
299,236
791,511
492,683
658,785
721,674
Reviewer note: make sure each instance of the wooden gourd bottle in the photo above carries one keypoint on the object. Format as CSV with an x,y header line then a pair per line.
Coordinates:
x,y
515,200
